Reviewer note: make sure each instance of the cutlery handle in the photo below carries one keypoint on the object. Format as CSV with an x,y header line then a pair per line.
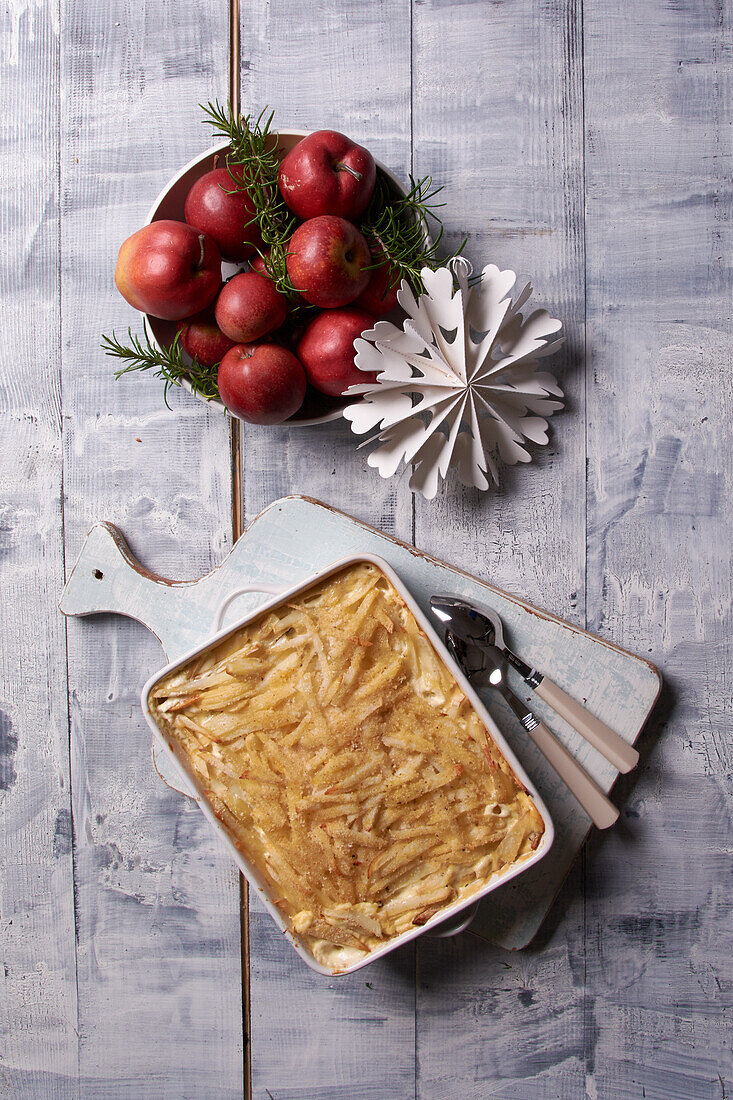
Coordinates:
x,y
619,752
600,809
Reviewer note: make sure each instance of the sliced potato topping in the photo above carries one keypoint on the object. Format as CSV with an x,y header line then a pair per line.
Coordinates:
x,y
347,765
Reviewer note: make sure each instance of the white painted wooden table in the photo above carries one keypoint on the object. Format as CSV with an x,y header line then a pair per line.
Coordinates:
x,y
587,145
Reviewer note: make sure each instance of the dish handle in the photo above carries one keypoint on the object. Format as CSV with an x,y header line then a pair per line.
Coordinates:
x,y
272,589
454,925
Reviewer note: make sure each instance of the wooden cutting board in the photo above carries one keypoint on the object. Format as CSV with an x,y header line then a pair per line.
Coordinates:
x,y
296,536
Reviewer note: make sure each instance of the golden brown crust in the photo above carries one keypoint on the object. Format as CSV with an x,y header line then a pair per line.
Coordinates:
x,y
343,758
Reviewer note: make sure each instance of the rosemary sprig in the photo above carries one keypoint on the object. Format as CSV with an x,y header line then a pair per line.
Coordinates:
x,y
395,225
254,161
169,364
275,261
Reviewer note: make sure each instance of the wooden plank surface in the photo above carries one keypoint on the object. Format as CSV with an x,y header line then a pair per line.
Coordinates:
x,y
586,145
157,911
498,118
658,171
38,1002
312,1037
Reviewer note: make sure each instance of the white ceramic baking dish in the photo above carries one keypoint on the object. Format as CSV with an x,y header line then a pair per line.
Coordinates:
x,y
451,920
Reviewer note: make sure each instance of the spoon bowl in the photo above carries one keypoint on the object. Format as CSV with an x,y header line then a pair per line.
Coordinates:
x,y
470,622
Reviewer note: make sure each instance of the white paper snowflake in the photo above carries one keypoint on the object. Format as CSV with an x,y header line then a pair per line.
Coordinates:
x,y
458,383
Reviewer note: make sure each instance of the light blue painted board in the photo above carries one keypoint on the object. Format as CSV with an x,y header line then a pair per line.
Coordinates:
x,y
295,537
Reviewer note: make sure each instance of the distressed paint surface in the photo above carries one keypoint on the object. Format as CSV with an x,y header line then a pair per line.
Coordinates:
x,y
659,166
588,146
311,1037
38,997
157,911
515,185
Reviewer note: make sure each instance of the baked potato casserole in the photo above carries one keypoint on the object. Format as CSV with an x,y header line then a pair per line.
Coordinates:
x,y
346,763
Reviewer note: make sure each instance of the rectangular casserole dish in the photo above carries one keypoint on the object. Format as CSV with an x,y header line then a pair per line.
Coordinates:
x,y
341,960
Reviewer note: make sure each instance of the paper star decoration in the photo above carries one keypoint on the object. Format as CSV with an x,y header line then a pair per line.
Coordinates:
x,y
458,384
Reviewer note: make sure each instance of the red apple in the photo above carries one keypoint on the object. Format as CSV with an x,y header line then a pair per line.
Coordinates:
x,y
215,206
328,261
261,383
327,173
169,270
250,307
380,296
203,340
326,350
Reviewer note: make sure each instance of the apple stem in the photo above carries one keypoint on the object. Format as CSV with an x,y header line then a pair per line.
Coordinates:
x,y
347,168
202,245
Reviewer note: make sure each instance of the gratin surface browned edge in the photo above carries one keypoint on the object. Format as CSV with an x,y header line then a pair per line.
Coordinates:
x,y
181,756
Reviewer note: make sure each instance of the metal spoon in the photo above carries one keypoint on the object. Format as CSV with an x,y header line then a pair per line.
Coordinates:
x,y
475,660
482,626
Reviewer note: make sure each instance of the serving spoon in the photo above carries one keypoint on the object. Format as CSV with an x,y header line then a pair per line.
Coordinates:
x,y
483,627
474,661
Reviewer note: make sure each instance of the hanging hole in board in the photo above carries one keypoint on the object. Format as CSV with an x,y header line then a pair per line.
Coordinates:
x,y
98,574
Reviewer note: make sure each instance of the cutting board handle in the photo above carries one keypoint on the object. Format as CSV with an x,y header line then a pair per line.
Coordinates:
x,y
107,577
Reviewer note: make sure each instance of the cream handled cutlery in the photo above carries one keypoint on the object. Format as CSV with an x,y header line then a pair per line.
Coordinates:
x,y
488,659
483,627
